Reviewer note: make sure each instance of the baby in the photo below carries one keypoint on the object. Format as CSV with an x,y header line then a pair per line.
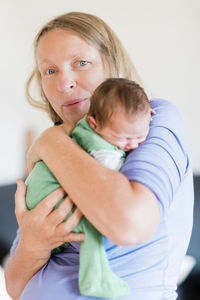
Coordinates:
x,y
118,121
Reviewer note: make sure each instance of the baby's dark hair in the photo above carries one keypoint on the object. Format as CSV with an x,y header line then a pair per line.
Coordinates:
x,y
114,94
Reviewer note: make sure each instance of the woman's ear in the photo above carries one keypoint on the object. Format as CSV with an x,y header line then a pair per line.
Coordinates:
x,y
92,122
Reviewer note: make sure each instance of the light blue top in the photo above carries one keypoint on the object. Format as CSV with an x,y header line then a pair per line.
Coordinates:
x,y
163,164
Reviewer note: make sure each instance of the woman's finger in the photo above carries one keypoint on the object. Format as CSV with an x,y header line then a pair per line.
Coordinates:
x,y
74,237
60,213
65,228
20,204
45,207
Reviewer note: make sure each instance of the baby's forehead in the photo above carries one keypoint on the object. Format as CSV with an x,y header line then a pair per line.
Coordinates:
x,y
122,115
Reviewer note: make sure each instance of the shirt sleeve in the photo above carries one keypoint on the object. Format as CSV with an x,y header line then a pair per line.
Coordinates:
x,y
162,161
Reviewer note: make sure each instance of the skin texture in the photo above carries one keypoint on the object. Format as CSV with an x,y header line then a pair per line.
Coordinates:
x,y
126,212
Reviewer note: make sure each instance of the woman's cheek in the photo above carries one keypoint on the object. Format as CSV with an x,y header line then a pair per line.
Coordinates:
x,y
48,88
92,80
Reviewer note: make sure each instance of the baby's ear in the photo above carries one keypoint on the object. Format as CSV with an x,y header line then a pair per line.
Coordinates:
x,y
92,122
152,111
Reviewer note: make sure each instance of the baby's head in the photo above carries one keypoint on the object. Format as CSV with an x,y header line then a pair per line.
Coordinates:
x,y
120,112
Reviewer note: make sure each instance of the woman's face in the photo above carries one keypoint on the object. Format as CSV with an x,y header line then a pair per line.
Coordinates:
x,y
71,69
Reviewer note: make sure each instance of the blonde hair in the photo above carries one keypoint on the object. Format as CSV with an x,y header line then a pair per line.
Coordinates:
x,y
114,94
98,34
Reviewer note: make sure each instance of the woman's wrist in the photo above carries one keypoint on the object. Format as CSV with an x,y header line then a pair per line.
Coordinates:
x,y
22,266
33,253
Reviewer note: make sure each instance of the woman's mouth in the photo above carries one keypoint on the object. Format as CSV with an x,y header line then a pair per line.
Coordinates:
x,y
74,103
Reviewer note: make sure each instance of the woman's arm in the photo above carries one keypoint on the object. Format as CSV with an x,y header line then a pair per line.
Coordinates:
x,y
126,212
42,229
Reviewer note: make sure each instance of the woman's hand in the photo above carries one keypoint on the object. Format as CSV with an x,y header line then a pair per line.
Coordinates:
x,y
42,228
33,154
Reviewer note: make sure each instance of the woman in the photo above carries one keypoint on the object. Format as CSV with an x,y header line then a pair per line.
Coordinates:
x,y
144,212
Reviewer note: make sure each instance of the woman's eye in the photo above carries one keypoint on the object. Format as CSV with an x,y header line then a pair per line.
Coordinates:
x,y
50,71
83,63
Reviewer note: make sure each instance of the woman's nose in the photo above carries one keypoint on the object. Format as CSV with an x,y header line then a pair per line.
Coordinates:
x,y
66,83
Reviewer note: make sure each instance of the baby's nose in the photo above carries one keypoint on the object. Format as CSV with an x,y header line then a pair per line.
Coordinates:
x,y
131,145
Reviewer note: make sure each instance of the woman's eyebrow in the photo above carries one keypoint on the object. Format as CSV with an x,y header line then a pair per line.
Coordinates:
x,y
44,61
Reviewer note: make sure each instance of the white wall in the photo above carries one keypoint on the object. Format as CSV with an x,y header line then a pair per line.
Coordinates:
x,y
162,37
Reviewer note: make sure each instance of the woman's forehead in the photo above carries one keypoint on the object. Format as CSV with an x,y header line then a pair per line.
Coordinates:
x,y
59,35
64,41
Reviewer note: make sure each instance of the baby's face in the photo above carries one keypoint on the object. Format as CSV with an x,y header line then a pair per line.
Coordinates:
x,y
124,131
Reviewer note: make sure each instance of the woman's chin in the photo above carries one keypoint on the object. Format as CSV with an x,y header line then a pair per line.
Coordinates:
x,y
75,118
